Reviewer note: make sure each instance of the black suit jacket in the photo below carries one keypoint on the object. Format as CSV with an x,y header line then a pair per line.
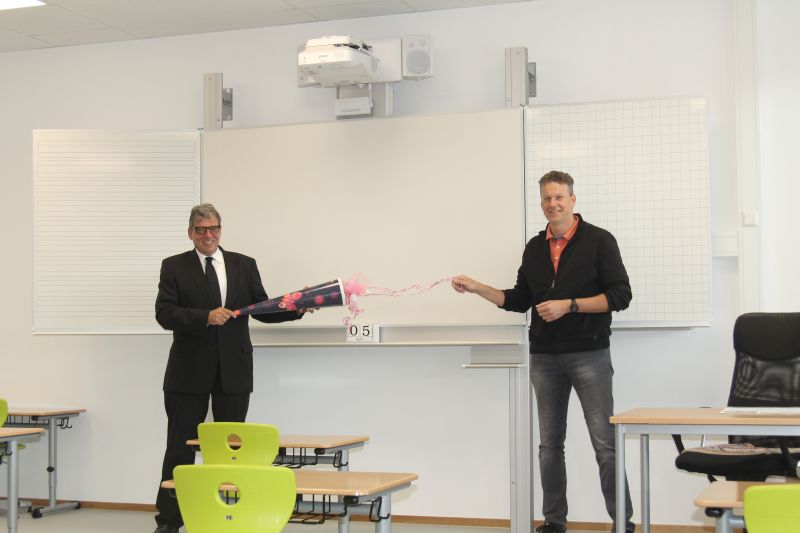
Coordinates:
x,y
199,350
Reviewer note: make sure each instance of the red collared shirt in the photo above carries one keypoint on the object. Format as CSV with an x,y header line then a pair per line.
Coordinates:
x,y
557,245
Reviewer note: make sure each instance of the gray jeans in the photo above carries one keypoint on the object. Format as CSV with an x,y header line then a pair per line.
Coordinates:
x,y
554,376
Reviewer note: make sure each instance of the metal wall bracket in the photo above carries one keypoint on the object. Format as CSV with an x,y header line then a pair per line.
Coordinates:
x,y
518,77
532,79
227,104
217,102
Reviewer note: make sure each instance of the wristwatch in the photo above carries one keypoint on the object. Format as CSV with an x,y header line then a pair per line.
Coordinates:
x,y
573,306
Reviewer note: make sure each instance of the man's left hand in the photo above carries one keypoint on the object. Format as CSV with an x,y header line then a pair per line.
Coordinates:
x,y
552,310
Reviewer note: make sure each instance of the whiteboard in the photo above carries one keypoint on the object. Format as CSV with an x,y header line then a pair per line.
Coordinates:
x,y
400,200
108,207
641,172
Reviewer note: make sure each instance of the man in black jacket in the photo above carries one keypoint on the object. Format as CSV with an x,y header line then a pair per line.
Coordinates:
x,y
572,275
211,353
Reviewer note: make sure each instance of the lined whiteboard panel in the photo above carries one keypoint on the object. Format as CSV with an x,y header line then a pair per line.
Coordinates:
x,y
402,200
108,207
641,172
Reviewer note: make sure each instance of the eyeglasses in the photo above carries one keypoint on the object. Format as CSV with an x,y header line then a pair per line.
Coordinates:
x,y
201,230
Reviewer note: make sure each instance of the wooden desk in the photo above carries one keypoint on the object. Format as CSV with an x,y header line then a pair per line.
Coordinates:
x,y
722,498
10,438
49,418
356,491
326,449
683,421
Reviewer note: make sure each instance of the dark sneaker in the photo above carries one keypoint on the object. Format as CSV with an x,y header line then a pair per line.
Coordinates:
x,y
549,527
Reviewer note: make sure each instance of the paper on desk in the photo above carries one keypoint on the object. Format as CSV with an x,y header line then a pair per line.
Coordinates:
x,y
762,410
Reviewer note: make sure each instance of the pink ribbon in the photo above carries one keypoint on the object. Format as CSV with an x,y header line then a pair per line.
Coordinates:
x,y
356,287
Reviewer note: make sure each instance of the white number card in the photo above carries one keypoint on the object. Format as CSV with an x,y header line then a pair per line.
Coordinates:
x,y
363,333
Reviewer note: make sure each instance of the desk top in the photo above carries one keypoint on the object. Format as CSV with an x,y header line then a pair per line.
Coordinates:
x,y
10,433
700,416
309,441
334,482
45,411
729,494
337,483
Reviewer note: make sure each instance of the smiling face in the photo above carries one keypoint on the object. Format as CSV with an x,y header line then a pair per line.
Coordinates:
x,y
206,242
557,203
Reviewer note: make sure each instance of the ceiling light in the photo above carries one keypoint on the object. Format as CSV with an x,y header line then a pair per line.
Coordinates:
x,y
14,4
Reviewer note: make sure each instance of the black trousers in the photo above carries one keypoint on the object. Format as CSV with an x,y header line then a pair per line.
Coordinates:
x,y
185,412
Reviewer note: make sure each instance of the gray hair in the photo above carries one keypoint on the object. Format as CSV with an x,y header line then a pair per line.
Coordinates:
x,y
557,176
204,211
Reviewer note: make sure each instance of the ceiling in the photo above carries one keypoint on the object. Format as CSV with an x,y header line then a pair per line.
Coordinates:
x,y
75,22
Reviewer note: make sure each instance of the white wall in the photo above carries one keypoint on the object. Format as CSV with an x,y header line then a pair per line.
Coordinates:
x,y
777,85
423,412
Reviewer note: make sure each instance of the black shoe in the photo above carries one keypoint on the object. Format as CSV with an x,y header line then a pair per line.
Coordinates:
x,y
549,527
629,528
166,528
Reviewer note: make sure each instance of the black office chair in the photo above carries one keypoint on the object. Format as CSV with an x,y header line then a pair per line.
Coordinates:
x,y
766,374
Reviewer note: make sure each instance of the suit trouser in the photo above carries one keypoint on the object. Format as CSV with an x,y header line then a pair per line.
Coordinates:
x,y
185,411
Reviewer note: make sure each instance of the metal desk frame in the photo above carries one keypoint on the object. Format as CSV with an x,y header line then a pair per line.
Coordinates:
x,y
726,425
11,438
51,420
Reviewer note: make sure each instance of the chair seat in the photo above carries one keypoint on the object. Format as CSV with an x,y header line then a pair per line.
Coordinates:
x,y
737,462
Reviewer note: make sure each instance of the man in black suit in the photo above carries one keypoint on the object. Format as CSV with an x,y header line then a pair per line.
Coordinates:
x,y
211,353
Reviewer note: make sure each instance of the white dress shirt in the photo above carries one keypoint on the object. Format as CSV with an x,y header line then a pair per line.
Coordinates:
x,y
219,268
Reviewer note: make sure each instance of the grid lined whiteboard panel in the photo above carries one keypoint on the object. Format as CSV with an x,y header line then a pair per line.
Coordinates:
x,y
108,207
641,172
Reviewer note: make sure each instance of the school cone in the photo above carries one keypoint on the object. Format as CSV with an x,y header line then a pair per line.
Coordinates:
x,y
326,294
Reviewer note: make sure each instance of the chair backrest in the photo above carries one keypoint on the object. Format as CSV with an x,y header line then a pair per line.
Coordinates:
x,y
3,411
258,443
772,508
264,501
767,368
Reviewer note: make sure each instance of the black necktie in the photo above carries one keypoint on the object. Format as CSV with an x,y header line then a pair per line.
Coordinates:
x,y
213,283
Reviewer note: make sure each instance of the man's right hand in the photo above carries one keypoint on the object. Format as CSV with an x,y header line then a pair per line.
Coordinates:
x,y
220,315
464,284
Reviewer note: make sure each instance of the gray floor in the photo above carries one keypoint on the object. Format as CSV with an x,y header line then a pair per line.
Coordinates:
x,y
98,521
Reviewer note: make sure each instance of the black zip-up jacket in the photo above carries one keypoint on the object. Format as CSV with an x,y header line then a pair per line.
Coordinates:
x,y
591,264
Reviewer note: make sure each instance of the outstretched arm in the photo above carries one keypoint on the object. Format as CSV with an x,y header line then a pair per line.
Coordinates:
x,y
466,284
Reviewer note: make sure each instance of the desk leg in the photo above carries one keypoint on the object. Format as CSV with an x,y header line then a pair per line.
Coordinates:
x,y
619,443
13,485
385,525
644,445
52,446
52,475
344,520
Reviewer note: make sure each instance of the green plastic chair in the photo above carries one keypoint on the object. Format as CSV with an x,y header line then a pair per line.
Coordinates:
x,y
265,500
773,508
259,443
3,419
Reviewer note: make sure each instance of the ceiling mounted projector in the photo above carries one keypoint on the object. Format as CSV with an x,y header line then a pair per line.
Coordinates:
x,y
337,60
